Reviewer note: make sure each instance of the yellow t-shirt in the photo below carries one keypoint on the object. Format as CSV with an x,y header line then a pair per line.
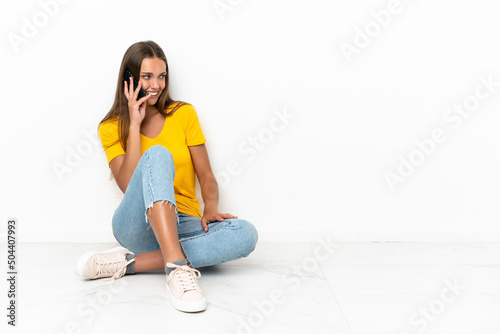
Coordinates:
x,y
181,129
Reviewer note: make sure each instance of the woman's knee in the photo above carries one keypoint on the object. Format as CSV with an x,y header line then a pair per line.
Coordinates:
x,y
247,235
136,241
160,152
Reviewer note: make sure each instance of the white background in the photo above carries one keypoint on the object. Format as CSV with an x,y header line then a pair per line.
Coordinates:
x,y
352,118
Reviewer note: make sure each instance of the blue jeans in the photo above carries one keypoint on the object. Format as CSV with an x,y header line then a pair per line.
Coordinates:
x,y
152,181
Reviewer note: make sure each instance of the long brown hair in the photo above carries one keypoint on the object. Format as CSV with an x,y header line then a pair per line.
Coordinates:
x,y
132,61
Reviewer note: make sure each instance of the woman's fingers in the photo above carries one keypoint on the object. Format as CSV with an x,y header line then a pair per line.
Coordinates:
x,y
137,108
228,215
218,217
125,89
204,225
140,101
133,92
129,91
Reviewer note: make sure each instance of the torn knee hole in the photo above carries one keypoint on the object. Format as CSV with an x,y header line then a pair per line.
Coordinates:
x,y
150,208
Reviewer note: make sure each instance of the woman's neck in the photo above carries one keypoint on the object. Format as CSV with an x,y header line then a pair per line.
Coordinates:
x,y
151,110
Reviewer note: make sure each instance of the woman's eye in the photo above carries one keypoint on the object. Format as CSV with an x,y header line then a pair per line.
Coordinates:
x,y
147,77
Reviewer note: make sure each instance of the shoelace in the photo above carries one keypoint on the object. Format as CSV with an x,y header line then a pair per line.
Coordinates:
x,y
113,267
186,276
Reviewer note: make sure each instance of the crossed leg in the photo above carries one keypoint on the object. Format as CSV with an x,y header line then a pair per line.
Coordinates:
x,y
163,220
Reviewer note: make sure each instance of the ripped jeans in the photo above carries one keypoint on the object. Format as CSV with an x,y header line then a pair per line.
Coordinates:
x,y
152,181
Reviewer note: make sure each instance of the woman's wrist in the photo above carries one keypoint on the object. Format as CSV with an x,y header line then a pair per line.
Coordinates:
x,y
133,128
210,207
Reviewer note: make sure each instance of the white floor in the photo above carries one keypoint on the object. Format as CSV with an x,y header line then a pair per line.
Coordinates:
x,y
382,288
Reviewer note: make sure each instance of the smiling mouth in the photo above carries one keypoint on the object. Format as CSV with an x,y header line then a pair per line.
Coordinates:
x,y
153,93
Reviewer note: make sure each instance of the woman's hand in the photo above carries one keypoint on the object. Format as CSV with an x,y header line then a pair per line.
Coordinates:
x,y
210,216
136,109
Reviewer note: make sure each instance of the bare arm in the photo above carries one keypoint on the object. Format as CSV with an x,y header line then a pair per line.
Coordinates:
x,y
208,184
123,166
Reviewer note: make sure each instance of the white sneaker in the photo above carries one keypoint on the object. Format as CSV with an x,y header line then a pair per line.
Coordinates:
x,y
110,263
183,290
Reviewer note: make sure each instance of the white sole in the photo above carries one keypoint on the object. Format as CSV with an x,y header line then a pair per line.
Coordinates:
x,y
85,257
186,306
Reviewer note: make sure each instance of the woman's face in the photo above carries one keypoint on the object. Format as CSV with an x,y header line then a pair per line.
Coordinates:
x,y
152,78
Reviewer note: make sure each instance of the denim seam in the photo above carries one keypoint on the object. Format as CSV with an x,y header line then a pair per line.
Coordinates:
x,y
150,188
207,233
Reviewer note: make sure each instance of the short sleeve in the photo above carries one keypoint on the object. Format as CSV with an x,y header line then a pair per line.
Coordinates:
x,y
192,127
108,133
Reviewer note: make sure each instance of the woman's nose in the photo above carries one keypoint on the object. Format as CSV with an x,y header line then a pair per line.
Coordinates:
x,y
155,84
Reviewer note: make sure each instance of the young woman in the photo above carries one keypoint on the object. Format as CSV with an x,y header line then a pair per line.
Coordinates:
x,y
154,147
